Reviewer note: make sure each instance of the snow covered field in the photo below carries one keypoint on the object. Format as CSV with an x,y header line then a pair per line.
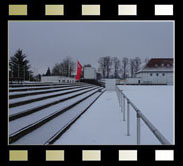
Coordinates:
x,y
103,123
156,103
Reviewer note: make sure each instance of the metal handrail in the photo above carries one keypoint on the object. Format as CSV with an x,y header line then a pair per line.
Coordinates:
x,y
140,115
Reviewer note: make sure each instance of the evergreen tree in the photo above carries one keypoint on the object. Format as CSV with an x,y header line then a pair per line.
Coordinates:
x,y
20,67
48,72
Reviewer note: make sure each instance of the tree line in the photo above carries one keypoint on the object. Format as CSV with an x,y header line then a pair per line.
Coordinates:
x,y
109,67
113,67
65,68
20,68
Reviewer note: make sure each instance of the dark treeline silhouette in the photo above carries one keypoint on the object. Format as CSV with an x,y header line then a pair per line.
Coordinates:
x,y
113,67
109,67
64,68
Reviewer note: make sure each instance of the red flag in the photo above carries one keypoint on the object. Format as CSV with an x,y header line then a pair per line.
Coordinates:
x,y
79,69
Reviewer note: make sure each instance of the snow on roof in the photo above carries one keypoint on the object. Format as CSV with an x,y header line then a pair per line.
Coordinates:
x,y
141,67
157,64
160,62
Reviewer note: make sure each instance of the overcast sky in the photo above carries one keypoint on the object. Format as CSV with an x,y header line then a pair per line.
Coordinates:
x,y
47,43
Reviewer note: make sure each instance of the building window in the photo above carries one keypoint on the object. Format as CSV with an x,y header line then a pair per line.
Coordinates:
x,y
157,74
163,74
151,74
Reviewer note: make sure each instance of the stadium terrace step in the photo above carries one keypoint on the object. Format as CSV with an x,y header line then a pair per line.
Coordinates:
x,y
32,88
29,129
18,95
22,101
28,85
38,108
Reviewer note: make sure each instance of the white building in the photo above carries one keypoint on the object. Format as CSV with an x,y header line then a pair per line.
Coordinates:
x,y
89,72
157,71
130,81
57,79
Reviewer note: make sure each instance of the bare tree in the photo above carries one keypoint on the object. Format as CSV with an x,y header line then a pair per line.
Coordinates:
x,y
102,66
125,67
65,68
57,69
105,66
132,67
137,63
116,63
108,65
69,66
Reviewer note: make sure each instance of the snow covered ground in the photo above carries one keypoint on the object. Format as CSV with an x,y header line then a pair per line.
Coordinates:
x,y
100,125
103,123
156,103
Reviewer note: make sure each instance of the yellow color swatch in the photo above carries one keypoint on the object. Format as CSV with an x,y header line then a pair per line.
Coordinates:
x,y
54,10
18,155
127,10
55,155
91,155
90,10
127,155
17,10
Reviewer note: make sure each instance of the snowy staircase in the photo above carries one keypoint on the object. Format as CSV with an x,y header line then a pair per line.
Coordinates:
x,y
31,115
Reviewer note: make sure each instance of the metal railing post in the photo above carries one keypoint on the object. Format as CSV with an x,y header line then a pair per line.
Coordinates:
x,y
119,99
138,129
117,91
121,102
128,118
123,107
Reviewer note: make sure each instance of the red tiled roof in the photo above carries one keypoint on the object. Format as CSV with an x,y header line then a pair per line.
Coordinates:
x,y
159,62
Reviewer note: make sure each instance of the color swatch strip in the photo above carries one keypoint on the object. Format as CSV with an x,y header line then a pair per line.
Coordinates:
x,y
18,155
91,155
164,10
54,10
91,10
164,155
18,10
127,155
127,10
88,10
54,155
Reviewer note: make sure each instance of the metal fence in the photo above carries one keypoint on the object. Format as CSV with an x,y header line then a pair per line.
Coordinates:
x,y
123,99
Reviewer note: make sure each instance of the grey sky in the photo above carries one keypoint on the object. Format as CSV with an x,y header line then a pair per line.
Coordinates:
x,y
47,43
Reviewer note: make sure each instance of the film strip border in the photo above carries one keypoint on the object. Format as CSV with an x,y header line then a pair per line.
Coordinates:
x,y
25,9
91,10
91,155
96,9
